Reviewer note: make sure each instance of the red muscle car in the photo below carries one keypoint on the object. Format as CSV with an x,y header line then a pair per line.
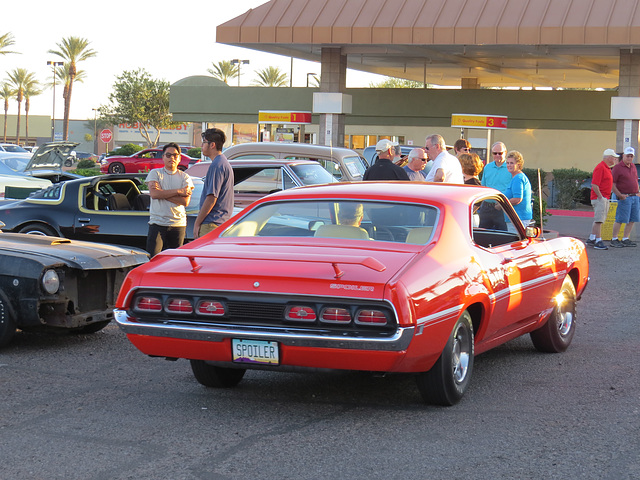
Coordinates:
x,y
378,277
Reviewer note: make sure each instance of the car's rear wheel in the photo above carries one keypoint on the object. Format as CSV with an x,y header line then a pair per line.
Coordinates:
x,y
556,335
7,324
217,377
116,167
38,229
449,378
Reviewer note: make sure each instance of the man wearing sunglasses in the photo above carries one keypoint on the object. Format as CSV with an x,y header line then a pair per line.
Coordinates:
x,y
495,175
415,168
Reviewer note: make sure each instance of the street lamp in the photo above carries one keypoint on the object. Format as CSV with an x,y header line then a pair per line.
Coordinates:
x,y
315,75
235,61
53,115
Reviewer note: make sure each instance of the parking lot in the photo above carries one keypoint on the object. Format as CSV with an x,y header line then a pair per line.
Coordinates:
x,y
92,407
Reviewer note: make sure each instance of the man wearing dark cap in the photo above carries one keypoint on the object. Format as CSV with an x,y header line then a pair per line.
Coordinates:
x,y
384,168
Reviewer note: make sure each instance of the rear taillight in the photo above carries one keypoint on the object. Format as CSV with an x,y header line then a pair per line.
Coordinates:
x,y
149,304
179,305
335,315
300,313
371,317
211,307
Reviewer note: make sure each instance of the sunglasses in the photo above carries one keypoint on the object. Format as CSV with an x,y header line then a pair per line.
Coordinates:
x,y
497,153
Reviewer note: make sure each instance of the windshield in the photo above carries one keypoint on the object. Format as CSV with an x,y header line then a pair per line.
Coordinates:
x,y
14,149
347,219
312,174
11,165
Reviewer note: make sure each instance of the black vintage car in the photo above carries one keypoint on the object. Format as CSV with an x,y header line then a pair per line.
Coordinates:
x,y
49,283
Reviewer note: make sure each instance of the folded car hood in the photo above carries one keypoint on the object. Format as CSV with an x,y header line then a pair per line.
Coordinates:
x,y
83,255
299,269
51,156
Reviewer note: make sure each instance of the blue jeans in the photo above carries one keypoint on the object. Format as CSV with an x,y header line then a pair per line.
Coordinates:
x,y
628,210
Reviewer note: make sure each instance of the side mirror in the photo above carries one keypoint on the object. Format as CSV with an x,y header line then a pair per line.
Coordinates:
x,y
533,232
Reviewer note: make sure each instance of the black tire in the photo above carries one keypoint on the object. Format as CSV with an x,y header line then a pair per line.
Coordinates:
x,y
68,162
216,377
449,378
93,327
116,167
556,334
38,229
7,324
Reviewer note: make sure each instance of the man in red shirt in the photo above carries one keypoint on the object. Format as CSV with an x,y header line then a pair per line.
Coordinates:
x,y
601,184
625,186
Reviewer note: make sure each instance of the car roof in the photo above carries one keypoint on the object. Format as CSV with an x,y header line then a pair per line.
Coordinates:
x,y
400,191
258,163
290,148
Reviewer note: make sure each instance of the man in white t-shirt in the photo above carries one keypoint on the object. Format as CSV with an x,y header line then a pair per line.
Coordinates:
x,y
170,191
446,168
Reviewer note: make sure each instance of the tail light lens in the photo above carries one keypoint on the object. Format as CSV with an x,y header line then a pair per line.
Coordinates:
x,y
371,317
335,315
211,307
149,304
179,305
300,313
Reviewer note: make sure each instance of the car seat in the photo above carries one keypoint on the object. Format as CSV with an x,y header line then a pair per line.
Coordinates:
x,y
119,201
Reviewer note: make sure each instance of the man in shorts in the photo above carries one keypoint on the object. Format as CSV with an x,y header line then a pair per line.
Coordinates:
x,y
625,186
601,184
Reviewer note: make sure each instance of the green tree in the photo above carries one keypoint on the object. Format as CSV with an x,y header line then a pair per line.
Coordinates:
x,y
72,50
224,70
271,77
391,82
6,93
139,100
6,41
31,90
21,80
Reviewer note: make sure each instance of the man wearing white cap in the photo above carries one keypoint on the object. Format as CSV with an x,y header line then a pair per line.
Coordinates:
x,y
625,186
384,168
601,184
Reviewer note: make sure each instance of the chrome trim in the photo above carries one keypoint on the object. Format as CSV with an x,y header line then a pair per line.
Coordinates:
x,y
291,336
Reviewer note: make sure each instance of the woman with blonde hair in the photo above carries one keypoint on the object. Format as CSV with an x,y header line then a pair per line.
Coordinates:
x,y
519,190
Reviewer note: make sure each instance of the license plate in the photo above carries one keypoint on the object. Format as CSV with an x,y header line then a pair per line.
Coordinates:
x,y
255,351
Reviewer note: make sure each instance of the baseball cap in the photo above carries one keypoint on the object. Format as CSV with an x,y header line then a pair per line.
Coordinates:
x,y
384,145
629,151
611,152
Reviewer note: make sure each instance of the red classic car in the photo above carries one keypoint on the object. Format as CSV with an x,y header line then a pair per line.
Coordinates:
x,y
379,277
142,161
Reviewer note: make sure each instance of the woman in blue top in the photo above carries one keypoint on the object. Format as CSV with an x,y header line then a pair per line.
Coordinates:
x,y
519,190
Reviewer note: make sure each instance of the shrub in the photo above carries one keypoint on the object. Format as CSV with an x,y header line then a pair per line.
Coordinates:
x,y
194,152
86,163
125,150
87,172
567,183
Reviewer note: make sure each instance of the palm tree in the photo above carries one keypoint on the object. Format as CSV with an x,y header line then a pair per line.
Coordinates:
x,y
271,77
63,77
6,41
6,92
20,79
30,90
72,50
224,70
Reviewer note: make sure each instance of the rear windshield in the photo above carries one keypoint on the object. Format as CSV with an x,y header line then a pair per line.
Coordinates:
x,y
345,219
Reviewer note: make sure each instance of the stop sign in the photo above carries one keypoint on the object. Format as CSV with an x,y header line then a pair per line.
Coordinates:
x,y
106,135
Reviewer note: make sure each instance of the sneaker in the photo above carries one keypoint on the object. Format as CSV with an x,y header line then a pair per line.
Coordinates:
x,y
616,243
590,242
600,246
628,243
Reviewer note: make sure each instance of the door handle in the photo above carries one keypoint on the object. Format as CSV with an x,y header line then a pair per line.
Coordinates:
x,y
84,220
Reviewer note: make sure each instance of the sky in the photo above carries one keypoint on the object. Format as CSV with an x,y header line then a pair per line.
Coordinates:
x,y
170,40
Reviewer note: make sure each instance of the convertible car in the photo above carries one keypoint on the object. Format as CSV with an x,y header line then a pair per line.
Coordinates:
x,y
57,284
115,209
379,277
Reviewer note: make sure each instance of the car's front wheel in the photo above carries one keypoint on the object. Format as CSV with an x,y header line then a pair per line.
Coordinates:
x,y
556,335
217,377
449,378
38,229
116,167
